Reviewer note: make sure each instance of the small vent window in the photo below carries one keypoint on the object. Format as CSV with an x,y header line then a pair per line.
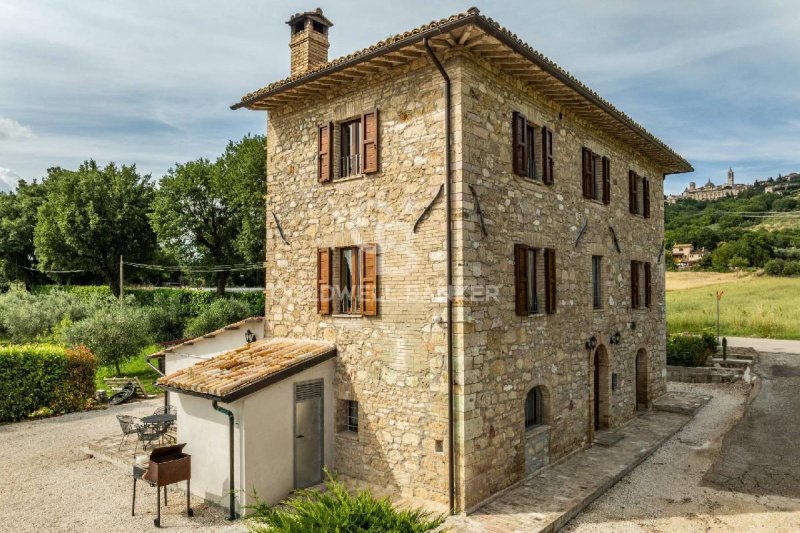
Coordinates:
x,y
307,390
351,416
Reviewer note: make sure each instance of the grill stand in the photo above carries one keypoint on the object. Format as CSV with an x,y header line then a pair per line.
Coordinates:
x,y
157,521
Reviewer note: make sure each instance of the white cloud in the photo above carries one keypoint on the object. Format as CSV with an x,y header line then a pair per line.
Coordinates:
x,y
8,179
11,130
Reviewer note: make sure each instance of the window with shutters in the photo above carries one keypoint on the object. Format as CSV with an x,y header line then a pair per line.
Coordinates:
x,y
597,282
534,408
641,285
355,142
347,280
534,280
532,150
596,176
639,194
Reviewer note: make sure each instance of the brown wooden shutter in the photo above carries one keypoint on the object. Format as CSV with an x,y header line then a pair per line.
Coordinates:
x,y
519,126
369,280
632,192
370,148
648,297
324,149
587,172
550,280
606,180
548,161
521,279
646,197
635,284
324,292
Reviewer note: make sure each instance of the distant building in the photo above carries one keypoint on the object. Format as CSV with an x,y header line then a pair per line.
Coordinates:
x,y
709,191
686,255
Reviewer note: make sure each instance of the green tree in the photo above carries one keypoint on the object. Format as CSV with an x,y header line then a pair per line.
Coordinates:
x,y
212,213
114,333
18,212
91,217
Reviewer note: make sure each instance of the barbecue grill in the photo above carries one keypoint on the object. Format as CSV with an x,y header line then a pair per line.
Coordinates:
x,y
165,466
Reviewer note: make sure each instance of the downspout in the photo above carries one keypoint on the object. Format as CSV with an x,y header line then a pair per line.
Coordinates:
x,y
448,166
232,503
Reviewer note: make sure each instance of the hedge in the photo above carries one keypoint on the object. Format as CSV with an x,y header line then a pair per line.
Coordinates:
x,y
46,377
690,350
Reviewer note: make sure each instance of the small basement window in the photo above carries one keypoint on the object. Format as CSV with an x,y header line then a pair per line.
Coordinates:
x,y
351,416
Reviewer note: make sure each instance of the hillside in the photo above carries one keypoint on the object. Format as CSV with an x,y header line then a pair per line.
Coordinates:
x,y
745,231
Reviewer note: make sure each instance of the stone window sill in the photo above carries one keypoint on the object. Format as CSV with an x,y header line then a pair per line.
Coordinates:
x,y
350,435
537,430
347,315
349,178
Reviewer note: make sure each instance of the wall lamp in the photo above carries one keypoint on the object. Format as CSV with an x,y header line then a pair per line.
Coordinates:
x,y
615,338
249,336
591,343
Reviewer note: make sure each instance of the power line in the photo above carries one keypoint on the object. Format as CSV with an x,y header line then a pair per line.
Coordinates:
x,y
199,269
52,271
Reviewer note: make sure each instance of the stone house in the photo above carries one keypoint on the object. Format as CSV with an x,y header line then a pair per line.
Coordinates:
x,y
479,235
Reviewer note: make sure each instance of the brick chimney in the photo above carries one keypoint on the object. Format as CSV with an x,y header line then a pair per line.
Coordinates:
x,y
309,41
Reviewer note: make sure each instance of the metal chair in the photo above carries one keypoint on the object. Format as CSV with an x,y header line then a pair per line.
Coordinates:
x,y
149,433
128,426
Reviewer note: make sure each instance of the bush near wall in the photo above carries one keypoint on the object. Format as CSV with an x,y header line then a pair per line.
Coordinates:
x,y
44,376
690,350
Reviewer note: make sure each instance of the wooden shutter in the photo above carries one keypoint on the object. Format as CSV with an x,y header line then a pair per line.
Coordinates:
x,y
519,126
369,148
635,284
646,197
648,297
324,264
521,279
369,280
324,149
548,161
586,172
606,180
632,178
550,280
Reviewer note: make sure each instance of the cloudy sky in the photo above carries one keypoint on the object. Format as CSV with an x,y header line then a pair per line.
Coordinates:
x,y
150,81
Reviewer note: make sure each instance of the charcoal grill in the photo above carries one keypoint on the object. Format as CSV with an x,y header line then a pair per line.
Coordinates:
x,y
166,465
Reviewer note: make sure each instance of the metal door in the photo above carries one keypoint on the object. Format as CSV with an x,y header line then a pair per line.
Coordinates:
x,y
308,433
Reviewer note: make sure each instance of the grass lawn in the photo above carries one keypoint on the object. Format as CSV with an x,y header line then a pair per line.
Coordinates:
x,y
136,367
751,306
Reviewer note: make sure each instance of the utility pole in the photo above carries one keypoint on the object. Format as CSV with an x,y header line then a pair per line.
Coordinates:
x,y
121,279
719,297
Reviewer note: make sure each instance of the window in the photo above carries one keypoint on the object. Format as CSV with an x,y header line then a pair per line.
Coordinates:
x,y
597,291
350,148
534,408
532,150
638,194
641,292
596,182
534,280
347,280
351,416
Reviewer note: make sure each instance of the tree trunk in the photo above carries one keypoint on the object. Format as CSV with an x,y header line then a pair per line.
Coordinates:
x,y
116,366
222,281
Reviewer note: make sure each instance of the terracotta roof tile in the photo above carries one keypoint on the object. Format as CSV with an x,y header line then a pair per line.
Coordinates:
x,y
225,375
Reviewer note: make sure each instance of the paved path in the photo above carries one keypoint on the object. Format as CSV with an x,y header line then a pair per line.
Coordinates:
x,y
761,454
767,345
551,498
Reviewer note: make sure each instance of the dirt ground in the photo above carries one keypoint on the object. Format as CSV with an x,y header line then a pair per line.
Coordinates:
x,y
678,281
668,491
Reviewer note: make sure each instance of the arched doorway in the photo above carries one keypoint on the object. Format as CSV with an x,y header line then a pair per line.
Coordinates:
x,y
602,389
641,380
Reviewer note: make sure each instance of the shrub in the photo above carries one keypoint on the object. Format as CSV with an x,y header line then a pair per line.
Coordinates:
x,y
791,268
690,350
167,317
774,267
114,333
44,378
338,510
27,317
219,314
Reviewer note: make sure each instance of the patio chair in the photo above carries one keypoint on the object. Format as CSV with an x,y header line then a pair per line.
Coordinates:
x,y
128,425
149,433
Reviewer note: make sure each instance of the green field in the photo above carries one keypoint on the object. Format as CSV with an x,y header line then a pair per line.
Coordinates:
x,y
753,306
136,367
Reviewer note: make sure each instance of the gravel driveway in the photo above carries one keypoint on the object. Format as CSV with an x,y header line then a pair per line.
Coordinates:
x,y
48,484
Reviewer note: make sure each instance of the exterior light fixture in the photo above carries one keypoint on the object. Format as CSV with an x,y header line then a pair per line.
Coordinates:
x,y
591,343
615,337
249,336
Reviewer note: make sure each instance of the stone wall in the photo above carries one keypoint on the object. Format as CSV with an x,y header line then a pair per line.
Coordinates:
x,y
393,364
505,355
537,448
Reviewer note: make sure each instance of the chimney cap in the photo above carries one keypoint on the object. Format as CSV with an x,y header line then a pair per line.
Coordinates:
x,y
315,15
